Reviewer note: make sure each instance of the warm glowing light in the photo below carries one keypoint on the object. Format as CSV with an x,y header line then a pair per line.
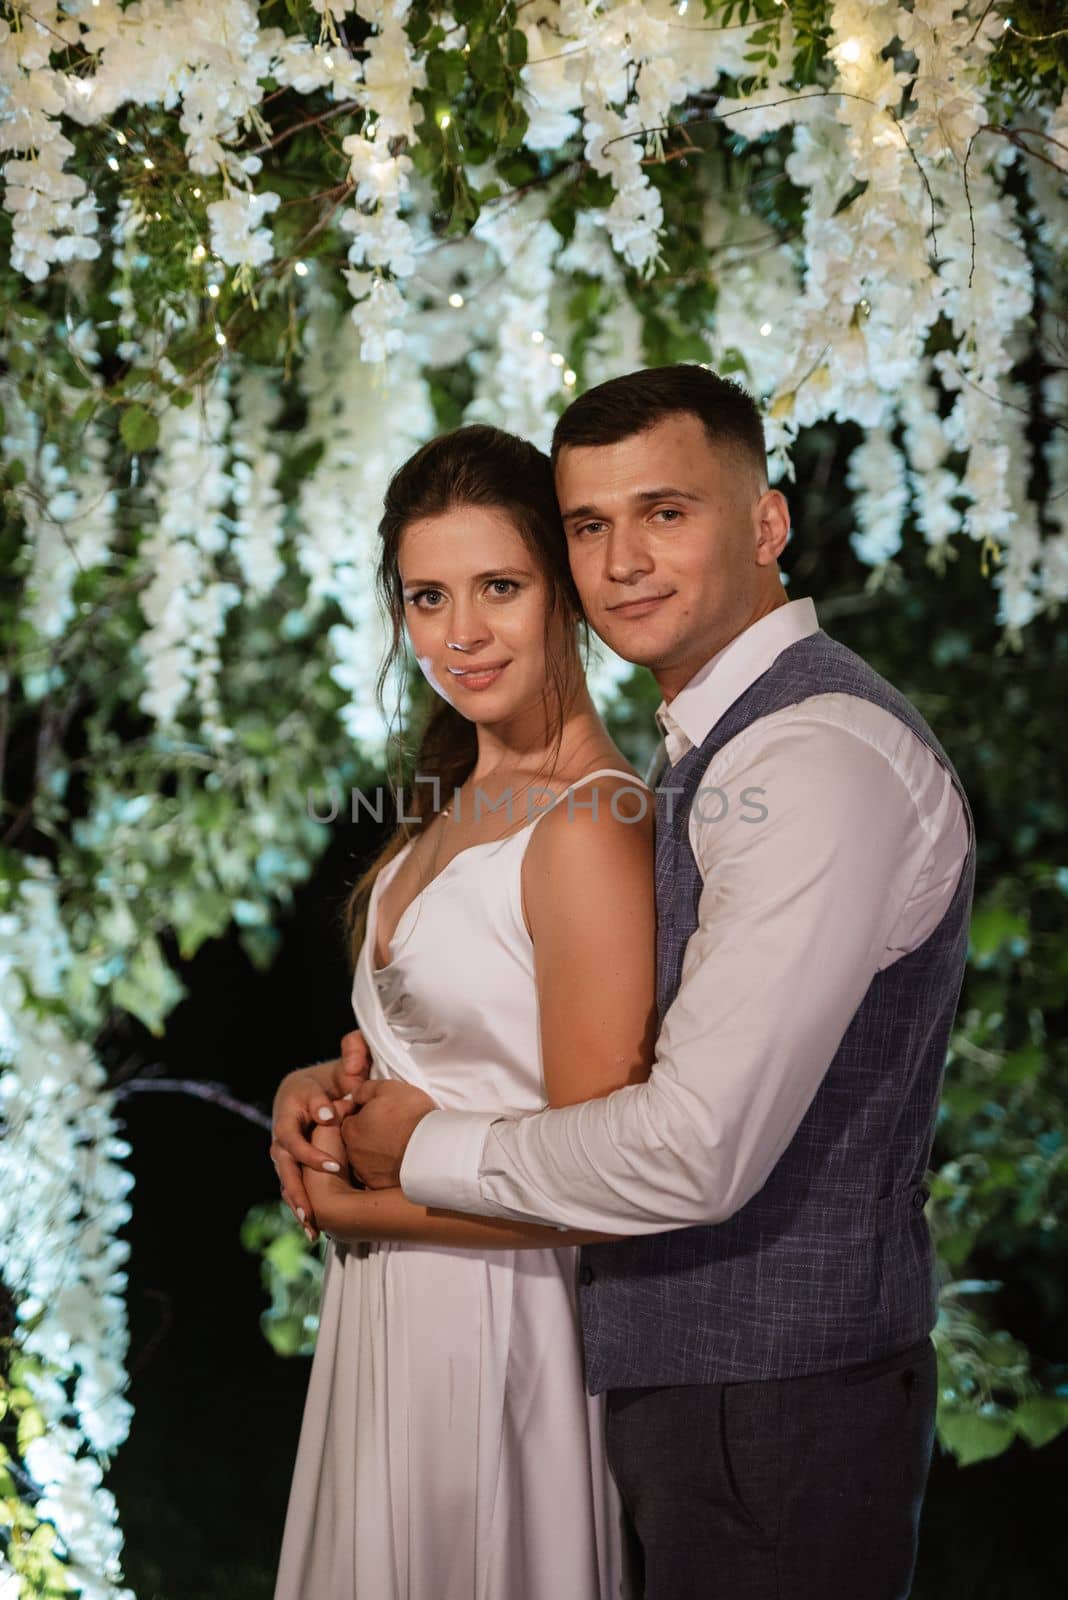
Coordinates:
x,y
328,63
537,337
149,163
113,164
765,329
851,50
199,252
213,291
569,377
220,337
121,137
196,194
301,269
557,359
444,120
456,301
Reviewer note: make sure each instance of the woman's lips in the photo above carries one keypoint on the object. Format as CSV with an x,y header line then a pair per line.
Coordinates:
x,y
480,679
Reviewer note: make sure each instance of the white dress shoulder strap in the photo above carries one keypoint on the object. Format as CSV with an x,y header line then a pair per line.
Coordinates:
x,y
604,772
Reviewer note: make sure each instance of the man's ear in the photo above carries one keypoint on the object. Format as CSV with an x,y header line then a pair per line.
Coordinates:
x,y
771,518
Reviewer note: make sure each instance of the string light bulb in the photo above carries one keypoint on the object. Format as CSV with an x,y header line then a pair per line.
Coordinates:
x,y
199,252
569,377
213,291
113,164
537,337
557,359
851,50
301,269
456,301
765,329
220,337
149,164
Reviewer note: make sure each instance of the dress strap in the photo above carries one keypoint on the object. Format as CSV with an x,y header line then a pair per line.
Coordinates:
x,y
601,772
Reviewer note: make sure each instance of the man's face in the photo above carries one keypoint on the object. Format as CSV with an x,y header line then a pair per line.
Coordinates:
x,y
673,544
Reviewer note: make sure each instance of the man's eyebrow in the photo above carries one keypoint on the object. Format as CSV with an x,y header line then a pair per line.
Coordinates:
x,y
642,496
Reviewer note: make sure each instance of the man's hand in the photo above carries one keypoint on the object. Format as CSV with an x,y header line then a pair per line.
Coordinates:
x,y
377,1137
304,1100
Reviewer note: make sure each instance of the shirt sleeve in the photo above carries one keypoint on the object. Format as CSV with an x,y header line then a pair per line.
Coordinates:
x,y
803,885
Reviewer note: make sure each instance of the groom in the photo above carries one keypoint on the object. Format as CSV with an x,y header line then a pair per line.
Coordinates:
x,y
763,1327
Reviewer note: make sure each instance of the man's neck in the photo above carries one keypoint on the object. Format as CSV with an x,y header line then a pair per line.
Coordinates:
x,y
671,680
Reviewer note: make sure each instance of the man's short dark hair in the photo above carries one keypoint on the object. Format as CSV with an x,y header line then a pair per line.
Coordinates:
x,y
628,405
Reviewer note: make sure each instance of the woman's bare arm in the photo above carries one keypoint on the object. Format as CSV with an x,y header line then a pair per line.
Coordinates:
x,y
351,1215
590,906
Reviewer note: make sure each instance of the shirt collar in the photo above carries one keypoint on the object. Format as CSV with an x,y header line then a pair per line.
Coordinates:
x,y
714,688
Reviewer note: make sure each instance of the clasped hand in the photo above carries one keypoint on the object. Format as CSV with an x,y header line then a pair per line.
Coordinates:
x,y
341,1144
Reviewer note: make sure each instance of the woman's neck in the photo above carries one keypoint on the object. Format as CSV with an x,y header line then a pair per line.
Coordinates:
x,y
583,737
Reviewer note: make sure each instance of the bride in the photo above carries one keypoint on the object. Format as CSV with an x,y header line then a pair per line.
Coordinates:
x,y
503,948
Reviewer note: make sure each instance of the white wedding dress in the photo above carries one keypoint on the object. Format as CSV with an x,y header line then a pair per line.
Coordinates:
x,y
449,1450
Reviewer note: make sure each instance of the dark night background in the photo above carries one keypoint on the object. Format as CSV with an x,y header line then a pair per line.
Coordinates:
x,y
203,1479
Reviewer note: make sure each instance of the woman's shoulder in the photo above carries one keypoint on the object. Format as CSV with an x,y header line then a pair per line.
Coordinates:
x,y
598,817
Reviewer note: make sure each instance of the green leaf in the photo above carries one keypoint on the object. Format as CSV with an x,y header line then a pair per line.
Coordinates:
x,y
1041,1418
139,429
972,1437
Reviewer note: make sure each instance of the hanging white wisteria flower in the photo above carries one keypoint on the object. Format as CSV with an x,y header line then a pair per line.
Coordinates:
x,y
237,234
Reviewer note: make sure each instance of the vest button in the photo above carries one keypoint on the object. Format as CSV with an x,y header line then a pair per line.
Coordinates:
x,y
920,1198
586,1275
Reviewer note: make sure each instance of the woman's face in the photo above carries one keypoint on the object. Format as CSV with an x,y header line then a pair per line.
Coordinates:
x,y
475,604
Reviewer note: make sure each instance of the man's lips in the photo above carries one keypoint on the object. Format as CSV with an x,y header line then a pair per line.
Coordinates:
x,y
633,607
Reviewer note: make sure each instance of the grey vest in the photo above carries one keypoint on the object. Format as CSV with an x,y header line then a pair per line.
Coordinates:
x,y
831,1262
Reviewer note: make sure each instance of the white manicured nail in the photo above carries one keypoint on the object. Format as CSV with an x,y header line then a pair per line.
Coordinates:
x,y
300,1213
331,1166
325,1113
347,1096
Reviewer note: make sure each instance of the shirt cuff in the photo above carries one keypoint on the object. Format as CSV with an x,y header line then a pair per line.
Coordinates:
x,y
442,1161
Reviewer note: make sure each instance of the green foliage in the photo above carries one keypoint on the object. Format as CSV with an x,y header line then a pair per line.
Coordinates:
x,y
291,1273
27,1541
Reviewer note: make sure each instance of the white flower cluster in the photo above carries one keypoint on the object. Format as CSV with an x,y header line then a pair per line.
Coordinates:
x,y
519,371
54,215
63,1189
258,510
237,234
369,417
381,239
621,66
67,506
185,603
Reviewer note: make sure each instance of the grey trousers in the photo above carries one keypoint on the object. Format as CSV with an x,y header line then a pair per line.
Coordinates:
x,y
785,1489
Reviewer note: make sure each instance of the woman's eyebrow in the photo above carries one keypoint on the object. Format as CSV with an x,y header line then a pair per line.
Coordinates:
x,y
479,577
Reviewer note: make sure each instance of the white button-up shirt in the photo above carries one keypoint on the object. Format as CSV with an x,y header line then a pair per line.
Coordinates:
x,y
831,847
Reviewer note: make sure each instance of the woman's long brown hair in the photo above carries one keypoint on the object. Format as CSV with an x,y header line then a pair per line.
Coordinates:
x,y
481,466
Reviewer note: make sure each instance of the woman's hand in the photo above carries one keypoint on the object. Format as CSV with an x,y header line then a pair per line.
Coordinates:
x,y
321,1185
307,1099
